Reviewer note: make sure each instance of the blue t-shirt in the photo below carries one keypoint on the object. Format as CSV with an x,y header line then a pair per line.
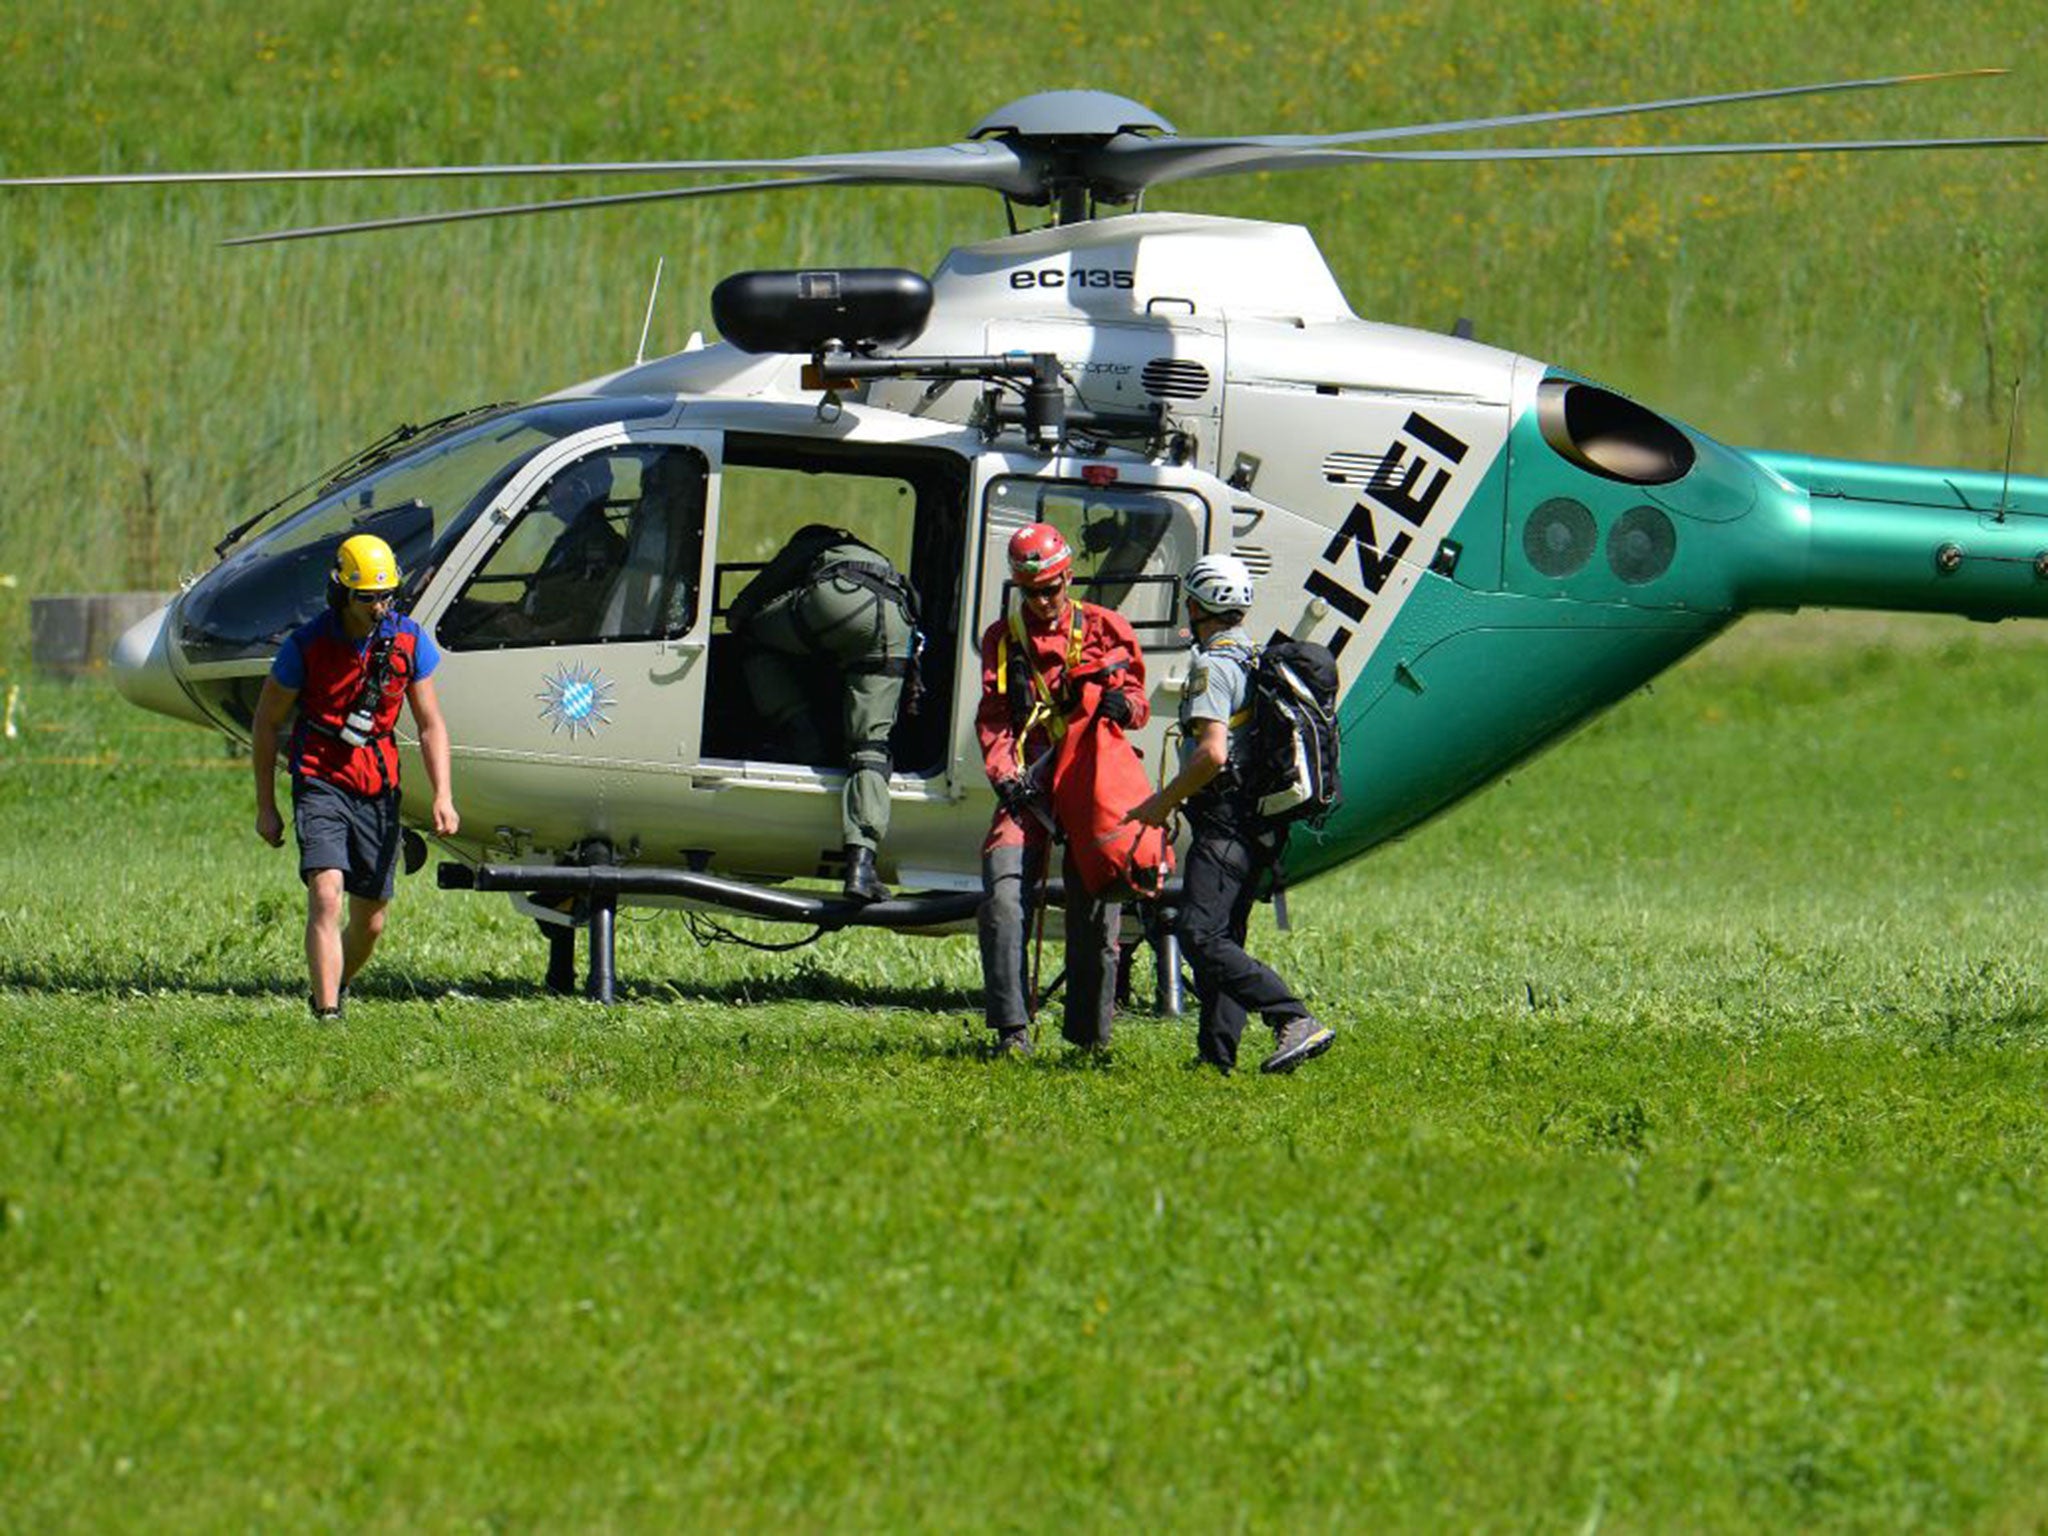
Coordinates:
x,y
290,666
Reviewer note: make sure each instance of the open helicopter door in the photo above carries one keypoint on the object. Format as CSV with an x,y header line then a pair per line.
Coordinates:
x,y
774,752
573,627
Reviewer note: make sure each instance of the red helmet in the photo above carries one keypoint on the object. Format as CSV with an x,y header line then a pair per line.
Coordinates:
x,y
1039,556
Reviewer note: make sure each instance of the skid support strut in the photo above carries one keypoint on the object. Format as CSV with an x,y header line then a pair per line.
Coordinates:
x,y
1166,968
601,985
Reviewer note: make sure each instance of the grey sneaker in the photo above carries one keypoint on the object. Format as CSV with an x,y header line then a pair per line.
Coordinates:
x,y
1013,1042
1299,1040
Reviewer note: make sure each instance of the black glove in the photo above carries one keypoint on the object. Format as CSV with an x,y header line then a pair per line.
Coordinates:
x,y
1115,707
1015,794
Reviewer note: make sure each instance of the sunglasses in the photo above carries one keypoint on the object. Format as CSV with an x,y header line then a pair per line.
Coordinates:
x,y
371,599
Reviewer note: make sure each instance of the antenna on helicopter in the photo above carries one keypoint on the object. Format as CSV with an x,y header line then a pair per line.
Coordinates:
x,y
2012,426
640,355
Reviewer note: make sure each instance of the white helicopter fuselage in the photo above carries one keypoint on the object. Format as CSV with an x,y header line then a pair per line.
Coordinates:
x,y
1493,549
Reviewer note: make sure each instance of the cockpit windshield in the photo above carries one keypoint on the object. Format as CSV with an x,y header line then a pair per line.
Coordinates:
x,y
419,503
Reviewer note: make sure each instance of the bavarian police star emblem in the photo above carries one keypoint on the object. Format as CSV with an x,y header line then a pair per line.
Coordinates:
x,y
576,698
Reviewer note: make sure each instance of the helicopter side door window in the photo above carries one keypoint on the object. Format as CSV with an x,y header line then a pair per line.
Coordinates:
x,y
1130,546
608,549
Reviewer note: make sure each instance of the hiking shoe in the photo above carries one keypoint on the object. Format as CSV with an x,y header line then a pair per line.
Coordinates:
x,y
1013,1042
1299,1040
324,1015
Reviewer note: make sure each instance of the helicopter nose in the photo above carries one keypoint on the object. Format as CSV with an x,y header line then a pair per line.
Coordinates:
x,y
143,671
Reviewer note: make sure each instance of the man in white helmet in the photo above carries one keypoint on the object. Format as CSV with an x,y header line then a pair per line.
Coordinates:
x,y
1231,850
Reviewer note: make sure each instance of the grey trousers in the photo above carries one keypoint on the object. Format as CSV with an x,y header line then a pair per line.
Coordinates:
x,y
1010,875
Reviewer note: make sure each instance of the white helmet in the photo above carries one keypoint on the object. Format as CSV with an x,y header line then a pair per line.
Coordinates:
x,y
1219,583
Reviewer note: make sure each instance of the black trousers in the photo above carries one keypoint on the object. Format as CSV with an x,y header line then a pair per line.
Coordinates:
x,y
1218,885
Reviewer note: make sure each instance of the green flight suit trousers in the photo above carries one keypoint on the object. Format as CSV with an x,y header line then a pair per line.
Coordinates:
x,y
868,640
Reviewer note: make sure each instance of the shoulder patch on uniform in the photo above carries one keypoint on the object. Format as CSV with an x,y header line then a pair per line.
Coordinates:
x,y
1198,677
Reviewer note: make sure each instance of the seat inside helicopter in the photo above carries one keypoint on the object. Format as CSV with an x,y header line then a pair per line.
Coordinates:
x,y
608,550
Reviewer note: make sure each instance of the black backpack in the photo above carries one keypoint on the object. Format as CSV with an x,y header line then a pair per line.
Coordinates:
x,y
1288,768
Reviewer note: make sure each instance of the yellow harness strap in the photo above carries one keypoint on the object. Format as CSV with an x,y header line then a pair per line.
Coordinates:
x,y
1043,711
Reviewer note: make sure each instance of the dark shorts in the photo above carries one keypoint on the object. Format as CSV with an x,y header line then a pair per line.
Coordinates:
x,y
355,834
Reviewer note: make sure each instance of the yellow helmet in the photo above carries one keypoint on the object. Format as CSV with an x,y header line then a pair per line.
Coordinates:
x,y
365,564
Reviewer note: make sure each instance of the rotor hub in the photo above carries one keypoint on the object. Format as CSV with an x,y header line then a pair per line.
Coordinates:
x,y
1056,117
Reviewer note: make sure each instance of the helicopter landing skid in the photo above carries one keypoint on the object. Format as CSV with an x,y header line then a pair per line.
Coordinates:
x,y
598,887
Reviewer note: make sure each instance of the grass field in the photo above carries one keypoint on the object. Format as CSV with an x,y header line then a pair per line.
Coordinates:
x,y
1679,1166
153,382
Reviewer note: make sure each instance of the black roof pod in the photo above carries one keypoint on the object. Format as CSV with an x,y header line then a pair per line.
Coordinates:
x,y
860,308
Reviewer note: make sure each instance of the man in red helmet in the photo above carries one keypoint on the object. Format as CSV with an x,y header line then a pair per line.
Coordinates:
x,y
1033,665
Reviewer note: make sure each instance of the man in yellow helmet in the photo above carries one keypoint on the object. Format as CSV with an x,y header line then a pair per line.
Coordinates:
x,y
348,672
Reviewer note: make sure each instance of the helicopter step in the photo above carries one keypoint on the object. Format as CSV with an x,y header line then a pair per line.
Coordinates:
x,y
598,887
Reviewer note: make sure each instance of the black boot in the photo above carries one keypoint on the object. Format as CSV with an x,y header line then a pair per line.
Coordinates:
x,y
862,884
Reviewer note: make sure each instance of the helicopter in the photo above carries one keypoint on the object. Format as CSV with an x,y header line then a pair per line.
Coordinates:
x,y
1495,548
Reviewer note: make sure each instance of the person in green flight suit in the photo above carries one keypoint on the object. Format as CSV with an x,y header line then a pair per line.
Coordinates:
x,y
829,597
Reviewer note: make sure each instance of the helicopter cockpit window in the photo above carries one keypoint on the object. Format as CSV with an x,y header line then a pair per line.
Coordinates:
x,y
608,549
420,500
1130,545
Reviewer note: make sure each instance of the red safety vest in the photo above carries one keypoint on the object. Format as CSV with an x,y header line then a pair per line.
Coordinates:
x,y
335,667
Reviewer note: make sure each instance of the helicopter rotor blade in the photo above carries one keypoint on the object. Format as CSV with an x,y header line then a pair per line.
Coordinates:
x,y
1069,156
1629,151
1313,159
976,163
514,210
1156,161
1583,114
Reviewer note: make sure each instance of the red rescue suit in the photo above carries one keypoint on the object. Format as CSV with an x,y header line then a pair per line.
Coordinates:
x,y
1028,695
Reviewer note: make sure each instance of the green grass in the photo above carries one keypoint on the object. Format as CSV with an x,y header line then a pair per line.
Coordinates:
x,y
158,387
1678,1166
